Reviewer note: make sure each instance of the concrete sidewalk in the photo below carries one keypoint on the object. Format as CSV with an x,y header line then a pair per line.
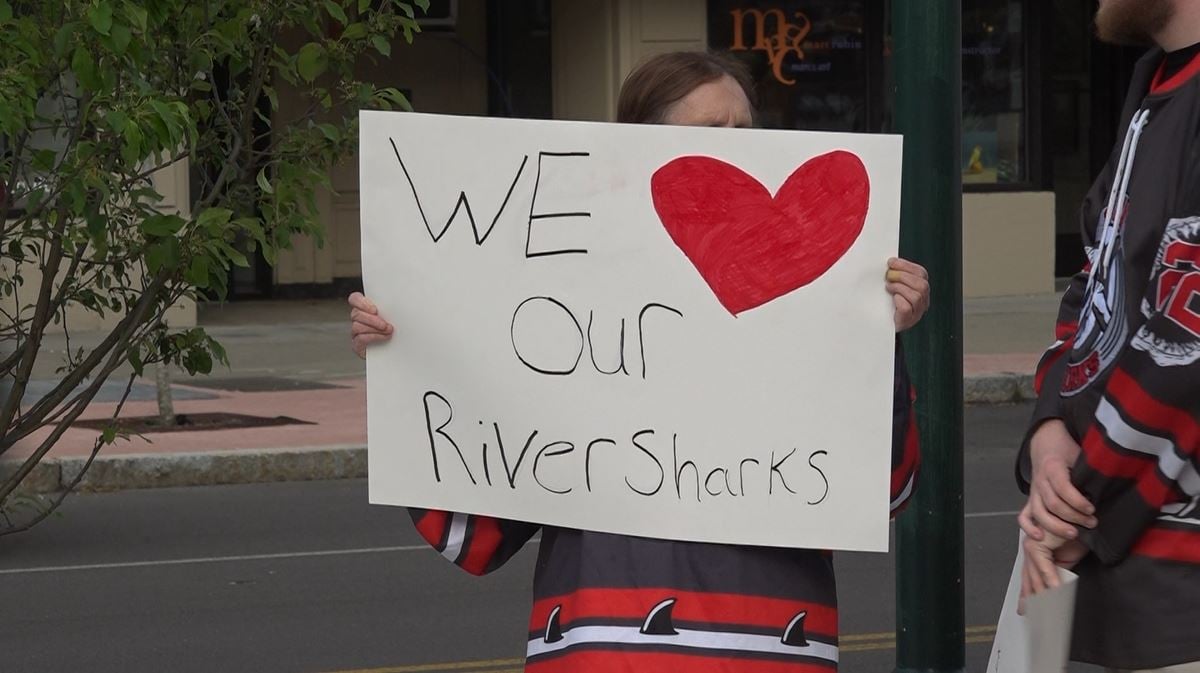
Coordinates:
x,y
293,359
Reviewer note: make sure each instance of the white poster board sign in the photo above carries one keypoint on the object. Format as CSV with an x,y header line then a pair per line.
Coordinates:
x,y
657,331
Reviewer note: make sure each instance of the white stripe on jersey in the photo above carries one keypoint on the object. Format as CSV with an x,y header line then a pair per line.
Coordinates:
x,y
1172,466
458,535
904,494
1181,512
705,640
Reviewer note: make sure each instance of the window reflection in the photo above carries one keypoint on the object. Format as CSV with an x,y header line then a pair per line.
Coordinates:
x,y
809,57
993,63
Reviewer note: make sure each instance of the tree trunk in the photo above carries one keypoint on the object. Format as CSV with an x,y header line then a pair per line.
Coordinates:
x,y
166,406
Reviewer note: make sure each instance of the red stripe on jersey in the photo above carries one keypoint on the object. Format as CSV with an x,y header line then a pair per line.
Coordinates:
x,y
432,527
909,464
1053,355
1064,330
485,539
1170,544
626,661
1103,457
1159,85
1156,490
1160,418
715,608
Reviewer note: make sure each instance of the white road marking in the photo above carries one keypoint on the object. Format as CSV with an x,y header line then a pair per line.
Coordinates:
x,y
221,559
991,515
293,555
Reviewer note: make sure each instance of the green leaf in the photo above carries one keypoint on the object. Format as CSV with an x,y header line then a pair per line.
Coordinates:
x,y
163,255
329,131
363,6
162,225
44,160
263,183
335,10
423,4
62,39
100,16
197,361
96,227
135,360
110,434
355,31
117,120
132,151
395,97
312,61
213,219
197,273
169,120
272,96
6,13
121,36
381,45
137,16
235,256
217,350
252,226
85,68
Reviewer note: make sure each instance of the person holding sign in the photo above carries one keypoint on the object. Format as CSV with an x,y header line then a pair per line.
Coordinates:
x,y
1111,460
606,602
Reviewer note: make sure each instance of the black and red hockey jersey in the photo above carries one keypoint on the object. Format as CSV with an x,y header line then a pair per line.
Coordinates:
x,y
612,604
1124,376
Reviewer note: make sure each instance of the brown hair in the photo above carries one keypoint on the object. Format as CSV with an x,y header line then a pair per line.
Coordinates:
x,y
653,87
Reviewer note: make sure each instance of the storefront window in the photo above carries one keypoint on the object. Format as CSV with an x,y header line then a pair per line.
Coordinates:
x,y
809,57
825,65
994,100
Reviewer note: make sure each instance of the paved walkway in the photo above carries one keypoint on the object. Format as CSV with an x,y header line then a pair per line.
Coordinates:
x,y
293,359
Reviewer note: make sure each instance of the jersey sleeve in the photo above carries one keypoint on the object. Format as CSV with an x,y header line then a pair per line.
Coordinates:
x,y
906,452
477,544
1140,451
1052,367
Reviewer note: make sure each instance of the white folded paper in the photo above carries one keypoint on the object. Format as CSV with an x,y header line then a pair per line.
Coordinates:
x,y
1039,641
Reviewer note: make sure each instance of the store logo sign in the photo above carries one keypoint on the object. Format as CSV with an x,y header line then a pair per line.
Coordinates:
x,y
787,38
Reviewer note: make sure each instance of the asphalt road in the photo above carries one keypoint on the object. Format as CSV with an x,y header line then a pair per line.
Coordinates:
x,y
308,578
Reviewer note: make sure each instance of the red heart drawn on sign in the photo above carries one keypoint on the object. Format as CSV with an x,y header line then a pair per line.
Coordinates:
x,y
750,247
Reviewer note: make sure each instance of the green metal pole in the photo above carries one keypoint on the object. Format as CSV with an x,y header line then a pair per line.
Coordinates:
x,y
927,39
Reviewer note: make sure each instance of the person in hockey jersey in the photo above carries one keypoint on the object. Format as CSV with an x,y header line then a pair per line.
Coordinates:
x,y
615,603
1110,461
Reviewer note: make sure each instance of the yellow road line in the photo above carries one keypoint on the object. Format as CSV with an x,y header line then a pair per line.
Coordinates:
x,y
891,644
891,635
859,642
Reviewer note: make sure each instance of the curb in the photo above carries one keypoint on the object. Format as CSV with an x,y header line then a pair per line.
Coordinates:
x,y
135,471
1003,388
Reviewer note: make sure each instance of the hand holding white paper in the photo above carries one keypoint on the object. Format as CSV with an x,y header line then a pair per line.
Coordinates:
x,y
1039,641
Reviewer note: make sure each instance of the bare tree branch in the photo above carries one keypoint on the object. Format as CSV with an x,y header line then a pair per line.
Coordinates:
x,y
78,477
34,340
146,327
61,428
118,339
8,202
